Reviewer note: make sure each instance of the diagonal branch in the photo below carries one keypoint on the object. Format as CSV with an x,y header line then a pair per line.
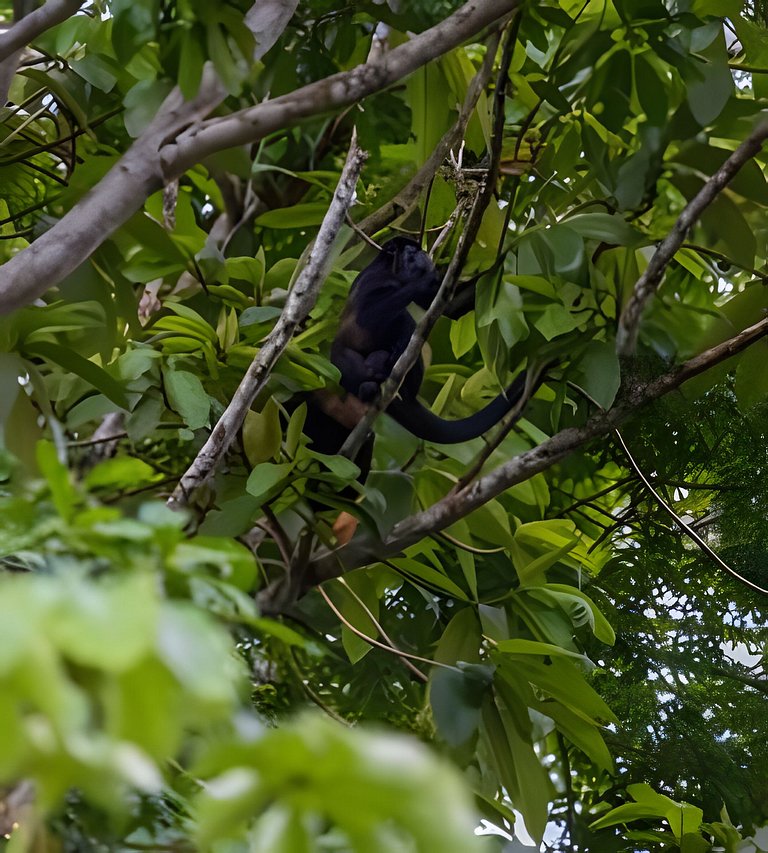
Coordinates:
x,y
125,187
158,157
549,452
647,284
334,92
299,303
687,528
457,505
101,211
34,24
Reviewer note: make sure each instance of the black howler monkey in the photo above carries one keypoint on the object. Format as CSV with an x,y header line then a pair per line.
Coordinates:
x,y
374,331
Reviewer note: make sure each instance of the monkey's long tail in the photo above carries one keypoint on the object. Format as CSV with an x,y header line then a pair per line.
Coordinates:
x,y
425,425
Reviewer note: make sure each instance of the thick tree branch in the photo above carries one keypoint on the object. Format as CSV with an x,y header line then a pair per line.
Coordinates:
x,y
759,684
154,160
34,24
565,442
457,505
299,303
102,210
334,92
122,191
626,337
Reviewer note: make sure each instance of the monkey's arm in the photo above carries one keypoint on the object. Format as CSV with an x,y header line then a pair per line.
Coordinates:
x,y
361,375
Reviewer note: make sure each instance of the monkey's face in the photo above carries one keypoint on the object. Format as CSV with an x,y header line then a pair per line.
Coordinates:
x,y
409,263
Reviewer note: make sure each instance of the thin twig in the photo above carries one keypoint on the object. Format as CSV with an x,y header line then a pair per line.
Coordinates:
x,y
414,669
361,234
458,211
470,549
510,419
299,303
720,256
376,643
646,285
690,532
409,195
600,494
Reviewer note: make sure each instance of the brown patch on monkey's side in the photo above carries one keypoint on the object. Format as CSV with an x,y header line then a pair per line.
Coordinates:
x,y
344,527
348,411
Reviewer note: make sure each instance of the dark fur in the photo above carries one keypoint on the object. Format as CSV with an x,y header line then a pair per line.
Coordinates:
x,y
374,331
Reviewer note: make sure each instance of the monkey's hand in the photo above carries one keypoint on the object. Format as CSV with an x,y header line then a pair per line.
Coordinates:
x,y
378,365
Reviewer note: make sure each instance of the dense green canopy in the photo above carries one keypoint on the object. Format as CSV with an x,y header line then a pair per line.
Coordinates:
x,y
565,619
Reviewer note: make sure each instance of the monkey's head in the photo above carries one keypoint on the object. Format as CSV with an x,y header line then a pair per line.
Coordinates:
x,y
412,266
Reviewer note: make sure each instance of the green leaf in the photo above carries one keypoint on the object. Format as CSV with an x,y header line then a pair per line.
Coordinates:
x,y
63,493
220,53
11,368
379,791
341,467
142,104
554,321
122,472
461,638
456,696
717,8
187,396
599,372
199,653
111,626
191,60
429,109
419,572
359,604
538,545
98,70
228,558
582,734
751,385
558,677
82,367
293,434
712,85
625,814
575,603
605,227
60,86
651,91
534,283
528,784
262,434
265,478
304,215
533,647
463,336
